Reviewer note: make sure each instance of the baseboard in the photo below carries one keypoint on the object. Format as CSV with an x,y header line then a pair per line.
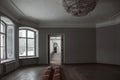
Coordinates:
x,y
108,64
78,63
92,64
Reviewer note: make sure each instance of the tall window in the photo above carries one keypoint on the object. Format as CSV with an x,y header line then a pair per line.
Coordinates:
x,y
27,42
6,39
2,40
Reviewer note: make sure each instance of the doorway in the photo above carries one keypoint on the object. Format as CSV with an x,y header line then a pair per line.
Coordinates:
x,y
55,49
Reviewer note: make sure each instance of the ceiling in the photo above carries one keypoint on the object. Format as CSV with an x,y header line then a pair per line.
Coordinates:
x,y
51,12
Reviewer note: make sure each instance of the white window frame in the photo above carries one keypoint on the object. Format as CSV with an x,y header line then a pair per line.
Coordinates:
x,y
6,25
3,33
27,38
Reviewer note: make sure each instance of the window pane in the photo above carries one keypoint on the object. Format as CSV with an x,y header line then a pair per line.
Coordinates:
x,y
31,47
31,51
2,28
30,34
31,42
22,33
2,37
10,42
3,53
22,47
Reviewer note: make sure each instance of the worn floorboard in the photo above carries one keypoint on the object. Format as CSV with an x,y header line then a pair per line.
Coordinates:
x,y
31,73
69,72
91,72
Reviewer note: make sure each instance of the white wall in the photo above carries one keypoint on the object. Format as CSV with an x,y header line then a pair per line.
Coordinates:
x,y
108,44
80,46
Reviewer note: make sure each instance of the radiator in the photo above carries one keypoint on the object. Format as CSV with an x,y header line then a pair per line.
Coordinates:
x,y
10,66
1,69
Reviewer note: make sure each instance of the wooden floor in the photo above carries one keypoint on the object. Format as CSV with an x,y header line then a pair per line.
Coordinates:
x,y
91,72
32,73
69,72
55,59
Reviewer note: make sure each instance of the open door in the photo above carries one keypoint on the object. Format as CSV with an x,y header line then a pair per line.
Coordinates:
x,y
55,51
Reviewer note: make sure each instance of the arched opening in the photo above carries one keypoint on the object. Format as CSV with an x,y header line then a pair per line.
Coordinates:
x,y
28,42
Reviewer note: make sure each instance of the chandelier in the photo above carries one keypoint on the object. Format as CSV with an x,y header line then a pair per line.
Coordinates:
x,y
79,7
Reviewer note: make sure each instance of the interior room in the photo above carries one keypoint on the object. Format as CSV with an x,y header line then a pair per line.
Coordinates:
x,y
59,39
55,49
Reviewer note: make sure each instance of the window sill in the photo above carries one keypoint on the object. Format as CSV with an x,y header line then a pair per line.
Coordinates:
x,y
7,60
28,57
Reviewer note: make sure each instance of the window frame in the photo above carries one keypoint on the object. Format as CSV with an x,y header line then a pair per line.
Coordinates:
x,y
5,34
7,24
27,38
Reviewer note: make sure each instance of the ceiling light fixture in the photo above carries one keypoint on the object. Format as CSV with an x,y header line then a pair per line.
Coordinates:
x,y
79,7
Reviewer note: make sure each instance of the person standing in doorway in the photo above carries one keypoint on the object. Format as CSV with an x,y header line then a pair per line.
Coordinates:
x,y
55,45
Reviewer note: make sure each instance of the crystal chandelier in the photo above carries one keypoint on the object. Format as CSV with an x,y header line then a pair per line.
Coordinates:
x,y
79,7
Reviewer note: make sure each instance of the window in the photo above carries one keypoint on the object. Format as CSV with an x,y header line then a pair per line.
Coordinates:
x,y
2,41
27,42
6,39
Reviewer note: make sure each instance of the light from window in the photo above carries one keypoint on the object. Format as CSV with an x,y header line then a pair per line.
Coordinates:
x,y
31,34
27,43
2,41
6,39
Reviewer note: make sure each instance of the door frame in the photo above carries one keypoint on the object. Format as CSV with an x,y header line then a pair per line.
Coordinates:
x,y
62,46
